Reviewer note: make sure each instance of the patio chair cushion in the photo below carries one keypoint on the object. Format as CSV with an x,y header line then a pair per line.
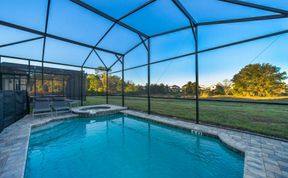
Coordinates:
x,y
42,105
60,104
41,110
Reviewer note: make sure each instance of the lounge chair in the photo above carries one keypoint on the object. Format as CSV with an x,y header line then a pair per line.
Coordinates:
x,y
60,105
41,106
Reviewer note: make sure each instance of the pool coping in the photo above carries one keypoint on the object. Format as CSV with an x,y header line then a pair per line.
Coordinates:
x,y
264,157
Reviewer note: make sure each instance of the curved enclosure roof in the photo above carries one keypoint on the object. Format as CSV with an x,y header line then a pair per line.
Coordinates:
x,y
96,33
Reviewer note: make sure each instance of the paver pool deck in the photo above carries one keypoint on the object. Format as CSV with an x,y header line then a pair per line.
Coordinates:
x,y
264,157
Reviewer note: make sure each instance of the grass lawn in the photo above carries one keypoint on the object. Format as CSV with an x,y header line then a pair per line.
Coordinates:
x,y
261,118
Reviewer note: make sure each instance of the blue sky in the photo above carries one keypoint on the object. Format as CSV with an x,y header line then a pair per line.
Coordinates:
x,y
72,21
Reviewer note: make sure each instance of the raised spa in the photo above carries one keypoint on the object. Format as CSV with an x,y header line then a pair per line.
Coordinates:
x,y
125,146
96,110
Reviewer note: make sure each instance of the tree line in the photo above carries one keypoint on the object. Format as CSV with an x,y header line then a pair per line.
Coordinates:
x,y
254,80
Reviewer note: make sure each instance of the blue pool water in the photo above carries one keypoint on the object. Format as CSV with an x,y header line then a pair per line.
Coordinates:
x,y
125,146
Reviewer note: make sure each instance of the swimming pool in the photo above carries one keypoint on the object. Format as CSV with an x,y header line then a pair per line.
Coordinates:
x,y
126,146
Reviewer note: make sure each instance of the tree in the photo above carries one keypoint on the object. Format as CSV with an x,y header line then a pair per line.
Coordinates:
x,y
130,88
259,80
95,83
114,84
91,83
205,92
159,89
189,88
141,90
219,90
227,84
